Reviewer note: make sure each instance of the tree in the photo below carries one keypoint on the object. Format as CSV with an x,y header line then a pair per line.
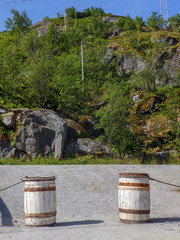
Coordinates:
x,y
175,19
155,21
32,45
71,12
87,12
67,84
19,22
38,77
100,28
113,118
173,22
120,22
52,39
139,23
126,23
97,11
129,23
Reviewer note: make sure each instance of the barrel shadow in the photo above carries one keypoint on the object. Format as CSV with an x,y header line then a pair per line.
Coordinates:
x,y
78,223
164,220
6,218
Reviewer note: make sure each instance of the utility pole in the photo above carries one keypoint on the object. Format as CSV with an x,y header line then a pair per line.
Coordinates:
x,y
65,21
82,63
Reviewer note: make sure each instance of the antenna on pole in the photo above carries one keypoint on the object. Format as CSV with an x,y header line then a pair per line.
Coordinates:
x,y
65,21
164,9
82,63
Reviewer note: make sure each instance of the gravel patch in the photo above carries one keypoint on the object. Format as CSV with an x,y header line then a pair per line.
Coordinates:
x,y
87,203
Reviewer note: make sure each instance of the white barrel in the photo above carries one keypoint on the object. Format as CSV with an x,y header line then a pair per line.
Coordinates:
x,y
39,201
134,197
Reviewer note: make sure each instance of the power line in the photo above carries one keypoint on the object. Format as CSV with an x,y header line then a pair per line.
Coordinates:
x,y
16,2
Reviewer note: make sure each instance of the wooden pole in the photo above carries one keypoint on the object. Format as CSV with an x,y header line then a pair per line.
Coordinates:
x,y
82,63
65,21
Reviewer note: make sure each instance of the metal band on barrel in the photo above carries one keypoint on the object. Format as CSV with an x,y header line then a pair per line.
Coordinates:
x,y
133,175
124,184
131,211
42,189
40,215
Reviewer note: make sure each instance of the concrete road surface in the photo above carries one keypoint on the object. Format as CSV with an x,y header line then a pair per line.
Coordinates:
x,y
87,204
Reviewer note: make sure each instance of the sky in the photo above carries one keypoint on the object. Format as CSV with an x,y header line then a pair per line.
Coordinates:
x,y
38,9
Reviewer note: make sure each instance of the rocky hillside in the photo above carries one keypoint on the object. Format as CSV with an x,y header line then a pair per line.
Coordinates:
x,y
126,104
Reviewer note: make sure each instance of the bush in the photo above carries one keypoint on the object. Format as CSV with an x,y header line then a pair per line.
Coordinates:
x,y
155,21
71,12
113,118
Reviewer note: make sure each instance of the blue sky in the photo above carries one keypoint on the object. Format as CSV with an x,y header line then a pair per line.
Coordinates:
x,y
38,9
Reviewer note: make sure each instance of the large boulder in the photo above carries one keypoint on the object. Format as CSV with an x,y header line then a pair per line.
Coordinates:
x,y
88,146
88,123
9,119
43,132
74,130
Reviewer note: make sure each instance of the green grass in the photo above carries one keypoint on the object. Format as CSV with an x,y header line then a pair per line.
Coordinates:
x,y
88,160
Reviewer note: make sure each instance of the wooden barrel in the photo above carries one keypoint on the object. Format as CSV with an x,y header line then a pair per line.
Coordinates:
x,y
134,197
39,201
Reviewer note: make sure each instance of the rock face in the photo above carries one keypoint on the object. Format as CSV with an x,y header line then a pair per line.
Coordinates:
x,y
88,146
168,41
5,146
128,63
43,132
110,19
109,55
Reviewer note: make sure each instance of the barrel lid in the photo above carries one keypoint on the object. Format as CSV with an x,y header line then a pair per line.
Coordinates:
x,y
133,175
38,178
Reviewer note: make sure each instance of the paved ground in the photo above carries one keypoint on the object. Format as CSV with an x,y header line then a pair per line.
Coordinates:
x,y
87,204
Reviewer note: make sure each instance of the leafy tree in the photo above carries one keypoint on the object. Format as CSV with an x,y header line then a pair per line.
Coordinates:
x,y
58,15
97,11
120,22
52,39
87,12
12,63
126,23
155,21
175,19
19,22
113,118
67,84
99,28
71,12
38,78
173,22
46,18
79,30
32,45
129,24
139,23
